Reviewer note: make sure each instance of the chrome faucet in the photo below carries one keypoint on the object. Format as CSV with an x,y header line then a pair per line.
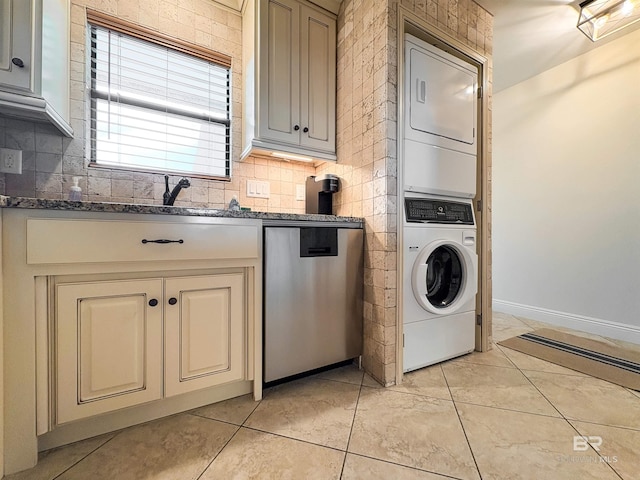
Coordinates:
x,y
170,196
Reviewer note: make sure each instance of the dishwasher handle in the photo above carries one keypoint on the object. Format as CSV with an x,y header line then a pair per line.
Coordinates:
x,y
318,242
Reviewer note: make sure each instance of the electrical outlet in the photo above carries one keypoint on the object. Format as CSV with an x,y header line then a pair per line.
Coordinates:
x,y
300,192
10,161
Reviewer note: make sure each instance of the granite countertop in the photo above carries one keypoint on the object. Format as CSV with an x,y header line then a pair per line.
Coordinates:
x,y
46,204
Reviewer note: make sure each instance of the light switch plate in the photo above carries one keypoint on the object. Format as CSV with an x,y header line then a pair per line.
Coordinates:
x,y
300,192
10,161
258,189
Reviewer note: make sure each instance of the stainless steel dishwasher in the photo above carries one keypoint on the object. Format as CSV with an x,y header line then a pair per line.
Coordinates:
x,y
313,280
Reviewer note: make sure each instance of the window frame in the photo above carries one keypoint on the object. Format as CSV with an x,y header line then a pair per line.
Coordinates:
x,y
100,19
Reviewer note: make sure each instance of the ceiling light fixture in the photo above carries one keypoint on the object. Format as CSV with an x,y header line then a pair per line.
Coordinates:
x,y
599,18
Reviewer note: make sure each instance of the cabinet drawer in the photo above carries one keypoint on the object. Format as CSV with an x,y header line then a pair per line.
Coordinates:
x,y
94,241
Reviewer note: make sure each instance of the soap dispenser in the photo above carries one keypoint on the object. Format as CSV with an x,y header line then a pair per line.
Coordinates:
x,y
75,192
234,204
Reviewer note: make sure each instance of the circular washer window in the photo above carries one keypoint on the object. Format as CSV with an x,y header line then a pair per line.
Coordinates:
x,y
445,276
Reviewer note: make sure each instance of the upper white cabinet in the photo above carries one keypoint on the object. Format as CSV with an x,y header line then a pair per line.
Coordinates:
x,y
34,61
290,79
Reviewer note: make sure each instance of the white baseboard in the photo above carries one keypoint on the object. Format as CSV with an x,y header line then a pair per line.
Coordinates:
x,y
596,326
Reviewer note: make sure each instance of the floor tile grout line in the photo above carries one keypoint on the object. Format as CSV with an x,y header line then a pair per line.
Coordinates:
x,y
231,438
540,391
495,407
390,389
218,454
596,451
568,421
464,432
292,438
405,466
631,429
558,410
469,362
87,455
193,412
353,421
226,422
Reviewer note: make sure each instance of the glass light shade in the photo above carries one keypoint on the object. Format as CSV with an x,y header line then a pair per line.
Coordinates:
x,y
599,18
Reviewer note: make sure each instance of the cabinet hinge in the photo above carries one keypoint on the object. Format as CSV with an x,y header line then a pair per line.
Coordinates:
x,y
479,92
403,340
479,319
479,205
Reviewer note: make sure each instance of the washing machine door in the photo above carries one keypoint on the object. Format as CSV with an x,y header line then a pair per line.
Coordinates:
x,y
444,277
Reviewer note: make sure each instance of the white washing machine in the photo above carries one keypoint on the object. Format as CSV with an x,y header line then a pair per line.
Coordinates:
x,y
440,279
440,112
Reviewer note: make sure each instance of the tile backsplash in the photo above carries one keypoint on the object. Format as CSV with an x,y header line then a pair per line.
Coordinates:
x,y
50,160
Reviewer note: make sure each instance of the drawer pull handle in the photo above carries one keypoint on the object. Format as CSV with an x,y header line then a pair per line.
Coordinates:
x,y
162,240
153,302
173,301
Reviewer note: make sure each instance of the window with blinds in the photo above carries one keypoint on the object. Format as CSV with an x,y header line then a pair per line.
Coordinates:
x,y
155,107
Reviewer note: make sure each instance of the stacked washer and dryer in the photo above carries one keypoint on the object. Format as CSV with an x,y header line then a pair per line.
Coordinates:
x,y
440,162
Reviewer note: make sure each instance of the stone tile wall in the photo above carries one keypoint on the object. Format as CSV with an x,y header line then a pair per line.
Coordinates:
x,y
367,161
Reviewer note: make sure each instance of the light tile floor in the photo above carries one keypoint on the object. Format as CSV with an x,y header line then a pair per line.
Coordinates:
x,y
494,415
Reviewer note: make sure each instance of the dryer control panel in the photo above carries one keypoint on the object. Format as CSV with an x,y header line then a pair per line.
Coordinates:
x,y
426,210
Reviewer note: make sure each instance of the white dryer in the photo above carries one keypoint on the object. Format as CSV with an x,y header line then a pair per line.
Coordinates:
x,y
440,279
440,112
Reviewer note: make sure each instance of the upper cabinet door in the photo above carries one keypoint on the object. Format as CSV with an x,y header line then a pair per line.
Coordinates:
x,y
15,44
289,62
280,109
318,80
34,61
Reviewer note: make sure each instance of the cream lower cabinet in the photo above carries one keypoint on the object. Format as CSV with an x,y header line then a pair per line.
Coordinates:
x,y
110,344
114,319
203,332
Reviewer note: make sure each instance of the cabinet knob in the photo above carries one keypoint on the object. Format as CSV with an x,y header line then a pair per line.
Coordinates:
x,y
153,302
296,127
173,301
305,129
17,62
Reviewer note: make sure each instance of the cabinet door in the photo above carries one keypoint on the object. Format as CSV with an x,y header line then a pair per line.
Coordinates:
x,y
204,332
318,80
109,346
279,110
15,42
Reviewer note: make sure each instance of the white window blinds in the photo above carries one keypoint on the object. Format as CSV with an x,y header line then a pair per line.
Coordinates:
x,y
154,108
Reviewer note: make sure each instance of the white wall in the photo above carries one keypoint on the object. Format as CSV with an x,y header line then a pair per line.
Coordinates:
x,y
566,208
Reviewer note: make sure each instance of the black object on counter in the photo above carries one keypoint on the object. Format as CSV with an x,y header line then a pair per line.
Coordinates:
x,y
170,196
319,193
